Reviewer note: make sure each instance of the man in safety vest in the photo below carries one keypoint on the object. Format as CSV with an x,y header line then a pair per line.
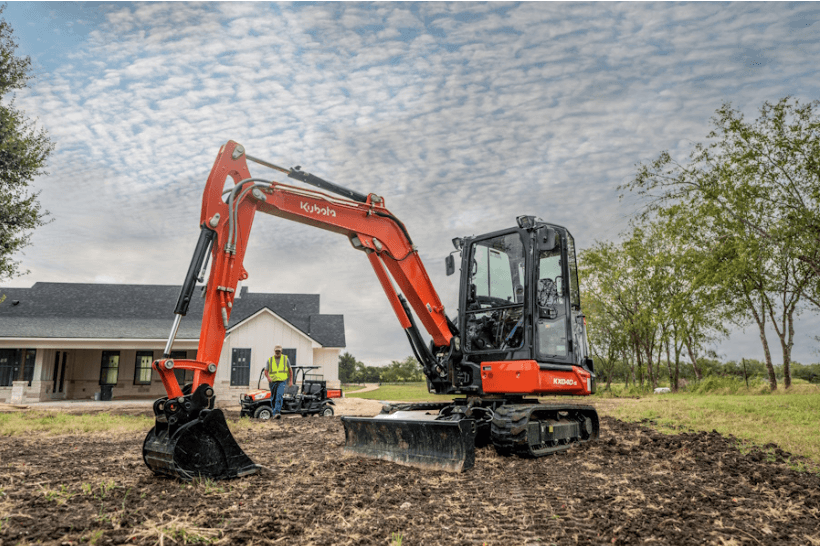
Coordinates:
x,y
278,373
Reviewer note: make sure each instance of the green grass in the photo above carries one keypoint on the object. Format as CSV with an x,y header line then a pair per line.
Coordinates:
x,y
352,387
789,420
53,422
408,392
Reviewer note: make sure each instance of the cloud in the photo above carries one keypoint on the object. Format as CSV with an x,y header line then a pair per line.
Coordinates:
x,y
462,115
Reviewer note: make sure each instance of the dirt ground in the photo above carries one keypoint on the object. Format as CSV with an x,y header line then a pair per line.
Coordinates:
x,y
631,486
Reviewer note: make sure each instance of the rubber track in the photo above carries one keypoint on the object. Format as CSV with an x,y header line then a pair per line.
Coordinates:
x,y
508,429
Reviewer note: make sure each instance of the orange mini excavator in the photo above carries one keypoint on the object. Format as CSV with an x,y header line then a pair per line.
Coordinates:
x,y
519,332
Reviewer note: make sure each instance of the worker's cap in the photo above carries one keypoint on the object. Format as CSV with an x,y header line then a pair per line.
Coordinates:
x,y
278,347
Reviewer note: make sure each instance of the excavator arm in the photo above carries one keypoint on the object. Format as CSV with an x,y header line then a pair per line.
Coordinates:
x,y
226,221
225,229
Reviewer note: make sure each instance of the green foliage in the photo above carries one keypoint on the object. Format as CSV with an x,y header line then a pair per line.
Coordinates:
x,y
408,370
353,371
721,384
23,152
347,367
735,235
60,496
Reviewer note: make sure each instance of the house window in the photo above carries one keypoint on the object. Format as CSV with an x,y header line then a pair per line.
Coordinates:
x,y
142,368
110,368
184,377
8,365
10,360
240,367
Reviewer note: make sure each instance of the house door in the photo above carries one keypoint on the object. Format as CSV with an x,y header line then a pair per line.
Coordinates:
x,y
240,367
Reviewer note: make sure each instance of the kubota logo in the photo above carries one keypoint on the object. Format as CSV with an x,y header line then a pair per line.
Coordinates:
x,y
316,209
557,381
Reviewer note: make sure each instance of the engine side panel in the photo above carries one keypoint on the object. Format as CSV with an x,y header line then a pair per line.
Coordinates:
x,y
528,378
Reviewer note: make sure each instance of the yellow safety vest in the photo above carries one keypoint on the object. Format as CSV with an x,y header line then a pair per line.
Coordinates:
x,y
278,371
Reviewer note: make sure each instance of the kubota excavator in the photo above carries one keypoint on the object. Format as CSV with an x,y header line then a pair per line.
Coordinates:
x,y
519,332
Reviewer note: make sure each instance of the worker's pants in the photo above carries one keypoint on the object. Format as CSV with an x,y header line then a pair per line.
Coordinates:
x,y
277,390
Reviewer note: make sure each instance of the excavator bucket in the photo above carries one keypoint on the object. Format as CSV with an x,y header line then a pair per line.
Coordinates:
x,y
420,441
199,447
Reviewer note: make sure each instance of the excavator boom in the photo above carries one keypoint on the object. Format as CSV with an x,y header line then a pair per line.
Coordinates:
x,y
497,360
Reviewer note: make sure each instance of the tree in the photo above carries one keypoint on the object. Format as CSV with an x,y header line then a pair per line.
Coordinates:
x,y
403,371
347,367
23,153
753,193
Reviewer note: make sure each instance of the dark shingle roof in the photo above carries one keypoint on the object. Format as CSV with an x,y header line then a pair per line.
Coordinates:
x,y
328,330
140,311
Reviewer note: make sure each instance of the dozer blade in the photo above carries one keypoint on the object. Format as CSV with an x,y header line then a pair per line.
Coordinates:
x,y
200,448
422,443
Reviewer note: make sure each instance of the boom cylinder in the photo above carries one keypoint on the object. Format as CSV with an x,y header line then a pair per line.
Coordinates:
x,y
203,246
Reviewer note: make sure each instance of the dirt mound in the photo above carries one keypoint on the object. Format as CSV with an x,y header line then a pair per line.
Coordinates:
x,y
633,485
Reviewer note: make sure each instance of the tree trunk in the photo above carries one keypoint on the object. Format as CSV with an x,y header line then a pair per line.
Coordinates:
x,y
678,360
651,376
689,344
786,351
639,365
786,333
673,385
788,354
768,359
678,345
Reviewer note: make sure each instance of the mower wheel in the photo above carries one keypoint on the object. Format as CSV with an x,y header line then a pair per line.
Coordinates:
x,y
327,411
264,413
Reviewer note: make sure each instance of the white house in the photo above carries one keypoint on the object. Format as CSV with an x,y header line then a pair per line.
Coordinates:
x,y
72,341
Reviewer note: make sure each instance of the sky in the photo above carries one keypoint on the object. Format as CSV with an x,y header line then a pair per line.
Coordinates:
x,y
463,116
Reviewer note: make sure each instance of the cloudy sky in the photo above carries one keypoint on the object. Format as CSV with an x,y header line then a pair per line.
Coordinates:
x,y
461,115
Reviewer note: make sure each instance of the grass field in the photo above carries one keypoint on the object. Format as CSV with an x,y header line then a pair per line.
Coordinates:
x,y
52,422
407,392
789,420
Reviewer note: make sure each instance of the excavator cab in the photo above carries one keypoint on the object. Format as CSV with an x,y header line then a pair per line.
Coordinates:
x,y
517,305
520,333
